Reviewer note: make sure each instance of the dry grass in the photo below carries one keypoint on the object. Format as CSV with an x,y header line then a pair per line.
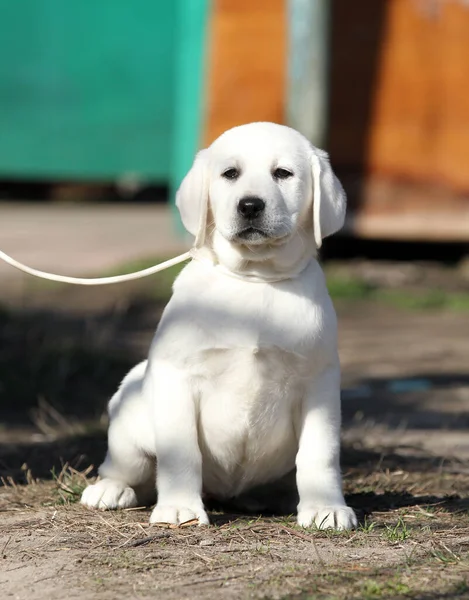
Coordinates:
x,y
410,546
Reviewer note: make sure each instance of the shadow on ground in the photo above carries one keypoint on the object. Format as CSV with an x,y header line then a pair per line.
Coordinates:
x,y
422,400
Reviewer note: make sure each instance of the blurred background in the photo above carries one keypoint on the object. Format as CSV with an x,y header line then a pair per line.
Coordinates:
x,y
102,107
111,100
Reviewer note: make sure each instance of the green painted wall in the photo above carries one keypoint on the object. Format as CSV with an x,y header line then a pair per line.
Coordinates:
x,y
99,88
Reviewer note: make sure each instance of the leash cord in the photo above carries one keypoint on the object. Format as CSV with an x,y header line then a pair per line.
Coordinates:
x,y
96,280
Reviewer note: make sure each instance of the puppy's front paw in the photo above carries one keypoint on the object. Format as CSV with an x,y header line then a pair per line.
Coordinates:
x,y
174,514
327,517
109,494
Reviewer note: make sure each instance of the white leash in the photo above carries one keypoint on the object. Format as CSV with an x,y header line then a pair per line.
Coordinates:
x,y
97,280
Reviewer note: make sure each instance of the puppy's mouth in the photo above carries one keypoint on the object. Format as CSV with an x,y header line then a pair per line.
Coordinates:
x,y
252,234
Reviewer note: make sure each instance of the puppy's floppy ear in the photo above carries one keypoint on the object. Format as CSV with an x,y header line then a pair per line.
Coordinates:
x,y
192,198
329,199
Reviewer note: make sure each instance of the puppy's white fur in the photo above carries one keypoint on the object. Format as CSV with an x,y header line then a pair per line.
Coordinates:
x,y
242,382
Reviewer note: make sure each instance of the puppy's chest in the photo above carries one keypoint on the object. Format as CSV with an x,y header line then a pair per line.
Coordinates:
x,y
251,374
257,318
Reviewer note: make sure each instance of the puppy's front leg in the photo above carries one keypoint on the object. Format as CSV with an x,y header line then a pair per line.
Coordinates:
x,y
318,470
179,461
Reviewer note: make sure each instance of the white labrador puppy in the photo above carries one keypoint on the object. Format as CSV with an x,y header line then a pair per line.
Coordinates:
x,y
242,382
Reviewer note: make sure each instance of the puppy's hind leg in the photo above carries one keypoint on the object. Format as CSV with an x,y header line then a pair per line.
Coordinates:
x,y
128,480
128,471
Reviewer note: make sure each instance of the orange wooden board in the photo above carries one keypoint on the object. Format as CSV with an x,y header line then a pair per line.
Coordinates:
x,y
399,103
246,67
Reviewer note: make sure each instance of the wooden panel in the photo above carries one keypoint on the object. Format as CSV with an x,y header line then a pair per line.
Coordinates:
x,y
406,211
399,89
247,64
383,207
356,38
452,148
404,120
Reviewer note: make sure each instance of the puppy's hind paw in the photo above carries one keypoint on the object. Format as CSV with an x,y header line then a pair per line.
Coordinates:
x,y
328,517
109,494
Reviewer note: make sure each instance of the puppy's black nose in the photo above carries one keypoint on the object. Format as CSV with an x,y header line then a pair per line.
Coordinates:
x,y
250,207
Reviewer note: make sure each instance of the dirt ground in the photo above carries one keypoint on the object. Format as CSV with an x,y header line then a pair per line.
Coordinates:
x,y
405,463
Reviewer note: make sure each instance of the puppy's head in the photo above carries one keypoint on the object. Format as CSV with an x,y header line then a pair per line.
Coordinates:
x,y
261,184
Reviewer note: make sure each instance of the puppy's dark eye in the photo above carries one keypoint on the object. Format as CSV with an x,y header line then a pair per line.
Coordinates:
x,y
231,173
280,173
